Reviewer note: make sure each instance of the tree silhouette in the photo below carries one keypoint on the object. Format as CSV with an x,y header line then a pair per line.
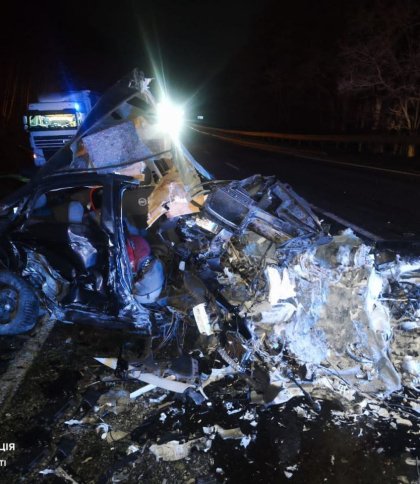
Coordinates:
x,y
381,65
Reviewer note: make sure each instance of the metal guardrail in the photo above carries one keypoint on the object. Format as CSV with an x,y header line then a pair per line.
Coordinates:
x,y
393,139
247,139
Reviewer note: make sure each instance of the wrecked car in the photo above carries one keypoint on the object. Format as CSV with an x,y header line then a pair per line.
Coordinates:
x,y
71,237
124,229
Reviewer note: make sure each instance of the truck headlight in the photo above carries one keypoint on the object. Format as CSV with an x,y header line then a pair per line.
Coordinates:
x,y
170,118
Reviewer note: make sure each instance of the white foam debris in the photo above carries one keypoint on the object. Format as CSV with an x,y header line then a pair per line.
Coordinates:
x,y
225,434
104,428
403,421
411,365
174,450
245,441
286,394
280,286
288,472
235,410
131,449
338,321
72,422
303,412
158,399
202,319
231,408
45,472
141,391
59,472
248,415
415,406
218,374
383,412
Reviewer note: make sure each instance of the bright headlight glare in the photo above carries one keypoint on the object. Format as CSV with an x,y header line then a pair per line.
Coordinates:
x,y
170,118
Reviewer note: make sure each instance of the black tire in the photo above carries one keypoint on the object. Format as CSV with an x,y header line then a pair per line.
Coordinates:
x,y
19,305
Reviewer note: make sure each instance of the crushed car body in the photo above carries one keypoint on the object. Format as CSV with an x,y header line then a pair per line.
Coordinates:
x,y
124,229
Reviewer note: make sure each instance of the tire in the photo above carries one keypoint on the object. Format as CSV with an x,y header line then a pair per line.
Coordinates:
x,y
19,305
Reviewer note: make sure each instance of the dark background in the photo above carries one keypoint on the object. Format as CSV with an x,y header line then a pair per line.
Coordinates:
x,y
306,66
47,46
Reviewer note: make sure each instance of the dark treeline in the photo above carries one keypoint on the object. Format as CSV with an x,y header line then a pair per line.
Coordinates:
x,y
325,67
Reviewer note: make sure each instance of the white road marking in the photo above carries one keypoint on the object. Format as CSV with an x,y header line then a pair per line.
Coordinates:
x,y
232,166
18,367
348,224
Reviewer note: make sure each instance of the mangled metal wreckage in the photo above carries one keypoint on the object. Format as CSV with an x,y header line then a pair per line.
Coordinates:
x,y
124,229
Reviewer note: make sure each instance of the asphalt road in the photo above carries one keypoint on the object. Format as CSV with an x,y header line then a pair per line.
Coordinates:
x,y
382,203
64,383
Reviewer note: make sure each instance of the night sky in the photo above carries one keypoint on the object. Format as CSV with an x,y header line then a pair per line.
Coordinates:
x,y
263,64
92,44
206,50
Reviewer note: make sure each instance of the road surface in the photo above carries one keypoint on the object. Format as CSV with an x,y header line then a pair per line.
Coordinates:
x,y
381,203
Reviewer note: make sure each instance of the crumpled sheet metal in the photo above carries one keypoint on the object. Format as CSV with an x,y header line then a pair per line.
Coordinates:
x,y
306,297
275,299
42,275
337,318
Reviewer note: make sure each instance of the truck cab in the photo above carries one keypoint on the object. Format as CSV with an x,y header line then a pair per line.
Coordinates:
x,y
54,120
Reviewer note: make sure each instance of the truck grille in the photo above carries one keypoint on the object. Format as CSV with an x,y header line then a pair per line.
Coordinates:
x,y
51,141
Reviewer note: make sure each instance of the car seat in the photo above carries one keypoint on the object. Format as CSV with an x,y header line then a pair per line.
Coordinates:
x,y
75,212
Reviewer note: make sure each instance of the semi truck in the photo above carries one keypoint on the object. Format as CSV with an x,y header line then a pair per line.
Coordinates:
x,y
54,120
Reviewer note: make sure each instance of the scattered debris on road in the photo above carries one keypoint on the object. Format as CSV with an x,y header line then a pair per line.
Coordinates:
x,y
234,296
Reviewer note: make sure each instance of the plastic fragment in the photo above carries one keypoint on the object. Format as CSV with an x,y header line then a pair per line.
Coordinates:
x,y
173,450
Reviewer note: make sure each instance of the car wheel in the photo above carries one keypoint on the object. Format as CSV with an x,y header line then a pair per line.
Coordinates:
x,y
19,304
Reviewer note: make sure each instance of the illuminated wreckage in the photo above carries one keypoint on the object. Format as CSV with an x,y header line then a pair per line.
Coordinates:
x,y
123,228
